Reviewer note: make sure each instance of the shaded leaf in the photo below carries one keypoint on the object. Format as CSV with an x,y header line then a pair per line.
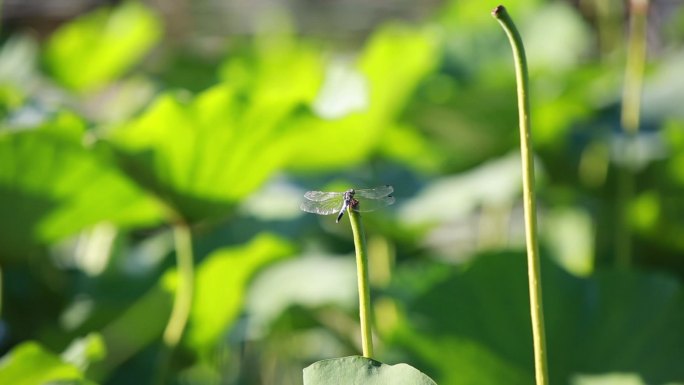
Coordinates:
x,y
221,280
139,326
52,186
362,371
613,321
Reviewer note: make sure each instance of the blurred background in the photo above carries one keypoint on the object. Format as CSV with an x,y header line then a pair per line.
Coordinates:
x,y
127,123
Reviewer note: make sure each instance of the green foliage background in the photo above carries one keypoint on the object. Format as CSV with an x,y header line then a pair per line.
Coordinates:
x,y
116,127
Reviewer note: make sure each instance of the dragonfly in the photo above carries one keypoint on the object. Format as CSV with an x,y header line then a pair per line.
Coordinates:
x,y
361,200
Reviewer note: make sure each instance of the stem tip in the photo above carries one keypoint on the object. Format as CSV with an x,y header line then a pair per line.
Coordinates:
x,y
498,10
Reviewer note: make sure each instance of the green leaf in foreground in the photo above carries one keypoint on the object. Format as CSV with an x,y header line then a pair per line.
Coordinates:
x,y
362,371
30,364
472,325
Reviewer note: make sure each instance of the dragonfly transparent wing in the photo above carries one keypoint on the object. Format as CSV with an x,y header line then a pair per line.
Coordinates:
x,y
323,207
319,196
366,205
374,193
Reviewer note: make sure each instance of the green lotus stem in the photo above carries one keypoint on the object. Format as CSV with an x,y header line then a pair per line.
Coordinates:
x,y
184,290
362,277
634,70
533,265
629,119
182,301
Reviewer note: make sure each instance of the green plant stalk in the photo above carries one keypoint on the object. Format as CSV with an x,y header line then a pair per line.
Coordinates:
x,y
533,264
184,291
363,282
634,69
182,301
629,119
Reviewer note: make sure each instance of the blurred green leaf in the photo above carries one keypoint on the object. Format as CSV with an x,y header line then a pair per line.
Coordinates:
x,y
139,326
655,214
493,183
470,16
550,24
362,371
394,61
202,157
479,62
96,48
221,283
674,134
83,351
221,279
310,280
30,364
18,60
406,145
559,103
645,210
17,70
259,70
613,321
52,186
608,379
568,233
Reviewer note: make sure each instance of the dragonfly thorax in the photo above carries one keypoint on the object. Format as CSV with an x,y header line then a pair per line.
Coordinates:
x,y
349,194
349,199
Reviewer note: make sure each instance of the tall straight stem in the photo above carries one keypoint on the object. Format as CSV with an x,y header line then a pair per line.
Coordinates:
x,y
533,264
634,70
629,119
362,278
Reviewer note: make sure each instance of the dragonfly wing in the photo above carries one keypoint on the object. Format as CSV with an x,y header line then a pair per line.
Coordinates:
x,y
319,196
326,207
366,205
374,193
